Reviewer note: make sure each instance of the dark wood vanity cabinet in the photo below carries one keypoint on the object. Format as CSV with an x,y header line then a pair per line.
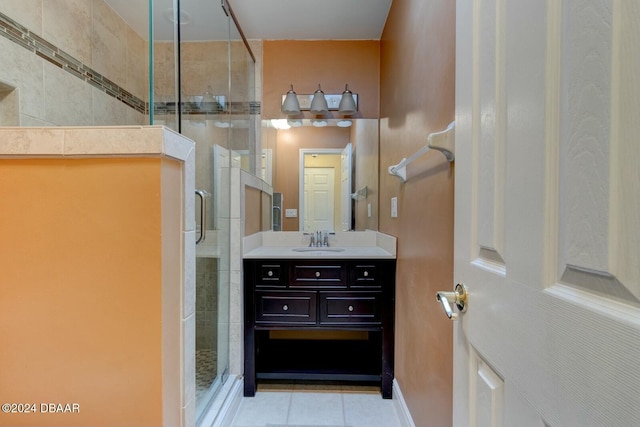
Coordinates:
x,y
307,296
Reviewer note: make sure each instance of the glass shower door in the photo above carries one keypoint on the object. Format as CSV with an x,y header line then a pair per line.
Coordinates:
x,y
202,114
202,86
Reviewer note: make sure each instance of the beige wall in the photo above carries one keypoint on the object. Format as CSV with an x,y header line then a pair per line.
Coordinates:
x,y
330,63
86,270
417,97
92,33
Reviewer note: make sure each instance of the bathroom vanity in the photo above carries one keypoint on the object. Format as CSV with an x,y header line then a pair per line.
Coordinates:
x,y
319,313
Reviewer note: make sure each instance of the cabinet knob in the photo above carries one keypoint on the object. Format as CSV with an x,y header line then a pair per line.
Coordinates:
x,y
366,273
350,308
269,273
317,274
285,307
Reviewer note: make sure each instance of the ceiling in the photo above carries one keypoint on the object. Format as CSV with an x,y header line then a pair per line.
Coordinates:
x,y
312,19
262,19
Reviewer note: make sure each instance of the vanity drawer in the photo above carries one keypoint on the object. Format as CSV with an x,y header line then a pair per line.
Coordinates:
x,y
271,274
319,274
285,307
362,308
364,275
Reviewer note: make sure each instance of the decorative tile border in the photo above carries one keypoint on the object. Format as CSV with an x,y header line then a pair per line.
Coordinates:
x,y
42,48
45,50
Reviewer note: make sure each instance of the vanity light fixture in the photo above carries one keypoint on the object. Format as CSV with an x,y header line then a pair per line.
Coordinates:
x,y
347,103
290,105
319,103
319,123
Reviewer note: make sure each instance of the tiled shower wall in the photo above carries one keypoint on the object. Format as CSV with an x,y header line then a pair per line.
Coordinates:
x,y
206,303
48,45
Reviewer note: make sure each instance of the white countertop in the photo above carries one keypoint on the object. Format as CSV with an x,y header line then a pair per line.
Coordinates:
x,y
343,245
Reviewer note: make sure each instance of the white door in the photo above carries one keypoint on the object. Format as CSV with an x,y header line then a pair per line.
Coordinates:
x,y
547,213
345,188
319,196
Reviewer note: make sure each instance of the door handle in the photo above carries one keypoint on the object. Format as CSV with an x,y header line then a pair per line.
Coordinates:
x,y
459,297
203,214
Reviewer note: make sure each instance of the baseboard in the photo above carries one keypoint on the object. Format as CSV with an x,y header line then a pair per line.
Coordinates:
x,y
401,406
225,406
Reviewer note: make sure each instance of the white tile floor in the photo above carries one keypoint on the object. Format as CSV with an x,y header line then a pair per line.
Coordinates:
x,y
306,404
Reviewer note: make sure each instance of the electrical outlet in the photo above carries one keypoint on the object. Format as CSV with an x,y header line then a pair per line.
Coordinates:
x,y
394,207
291,213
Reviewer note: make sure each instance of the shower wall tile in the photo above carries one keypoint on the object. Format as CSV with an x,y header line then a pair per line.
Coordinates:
x,y
9,109
106,110
189,359
134,117
67,99
163,72
108,43
223,242
136,64
189,273
236,231
25,73
190,198
235,349
201,62
236,193
189,414
235,297
30,121
76,34
27,12
256,48
67,23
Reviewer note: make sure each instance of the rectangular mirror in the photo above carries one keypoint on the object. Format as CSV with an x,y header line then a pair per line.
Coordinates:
x,y
337,189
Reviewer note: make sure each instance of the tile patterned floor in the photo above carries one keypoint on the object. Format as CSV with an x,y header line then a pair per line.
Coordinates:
x,y
310,404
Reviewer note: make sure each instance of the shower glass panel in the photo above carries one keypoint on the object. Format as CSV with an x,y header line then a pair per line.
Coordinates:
x,y
243,120
163,68
203,82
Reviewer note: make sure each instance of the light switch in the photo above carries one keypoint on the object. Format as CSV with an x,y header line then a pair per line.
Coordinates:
x,y
368,210
394,207
291,213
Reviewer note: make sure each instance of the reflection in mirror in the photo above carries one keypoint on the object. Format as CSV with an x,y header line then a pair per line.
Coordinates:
x,y
325,189
354,204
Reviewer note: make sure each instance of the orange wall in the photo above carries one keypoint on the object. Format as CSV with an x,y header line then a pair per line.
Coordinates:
x,y
417,97
80,289
330,63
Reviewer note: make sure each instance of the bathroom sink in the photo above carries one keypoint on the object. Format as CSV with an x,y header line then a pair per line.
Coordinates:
x,y
317,249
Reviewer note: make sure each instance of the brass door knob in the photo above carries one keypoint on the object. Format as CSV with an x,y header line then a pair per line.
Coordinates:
x,y
459,297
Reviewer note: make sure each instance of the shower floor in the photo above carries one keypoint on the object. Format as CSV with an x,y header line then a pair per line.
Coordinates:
x,y
206,363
